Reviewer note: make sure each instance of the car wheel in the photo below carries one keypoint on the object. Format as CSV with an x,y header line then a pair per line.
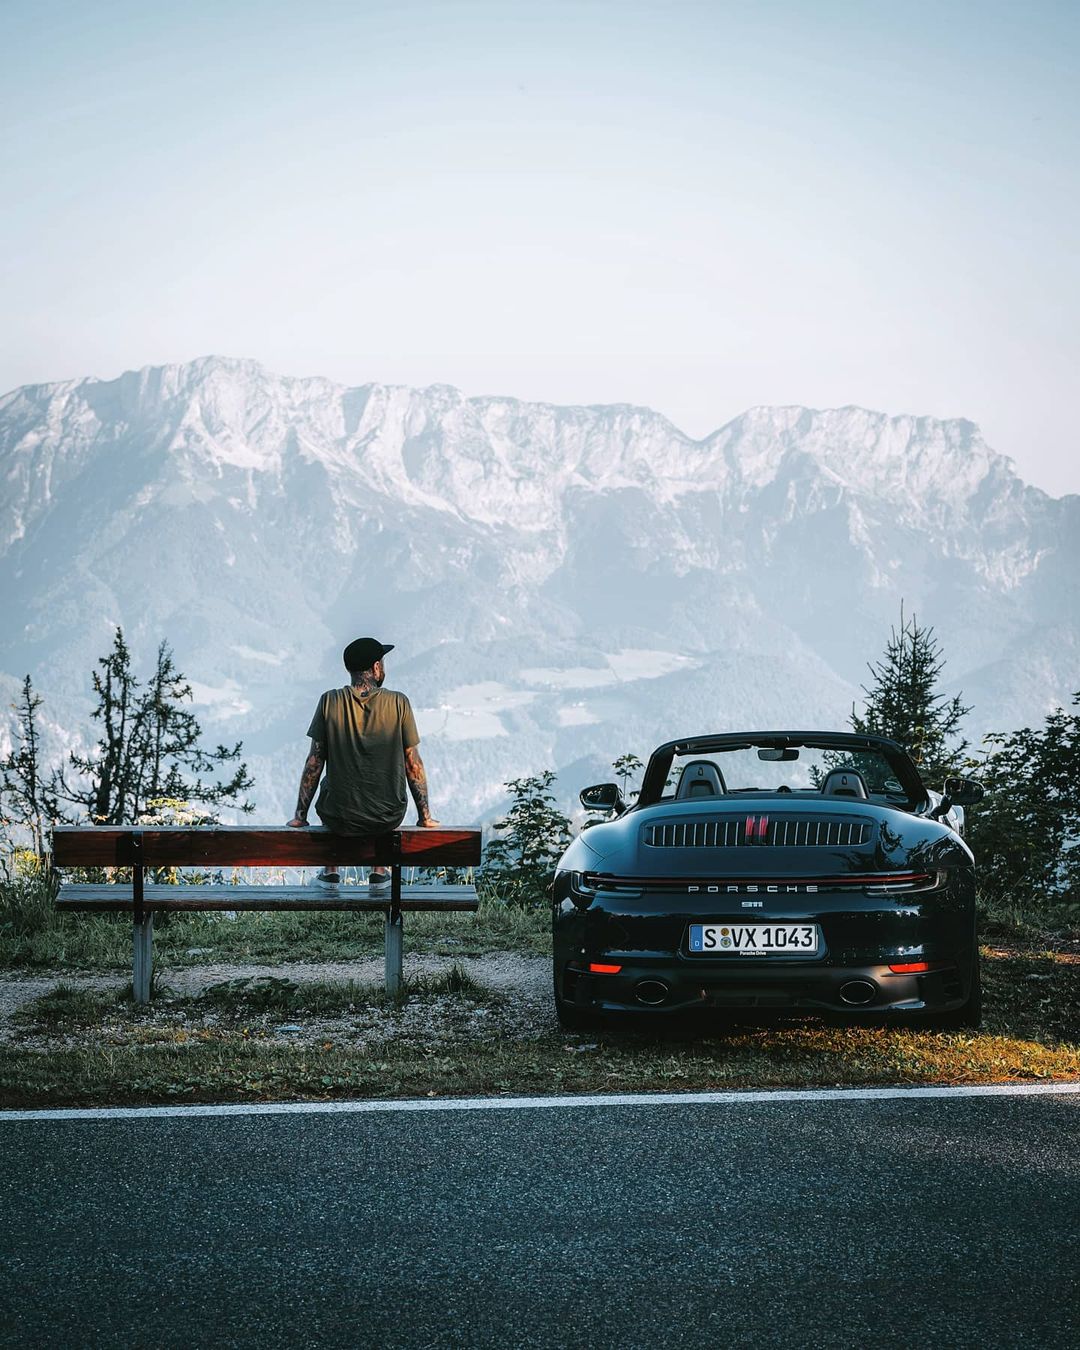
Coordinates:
x,y
571,1017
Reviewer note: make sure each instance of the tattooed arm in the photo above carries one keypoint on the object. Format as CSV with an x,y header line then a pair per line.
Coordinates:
x,y
414,772
309,781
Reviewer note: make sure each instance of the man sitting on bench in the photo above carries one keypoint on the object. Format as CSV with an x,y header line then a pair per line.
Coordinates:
x,y
365,737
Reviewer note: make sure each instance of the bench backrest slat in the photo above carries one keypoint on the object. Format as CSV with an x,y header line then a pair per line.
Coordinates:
x,y
253,846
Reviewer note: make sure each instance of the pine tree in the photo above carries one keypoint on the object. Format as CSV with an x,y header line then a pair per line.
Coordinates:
x,y
166,746
903,702
149,746
1026,832
105,796
25,798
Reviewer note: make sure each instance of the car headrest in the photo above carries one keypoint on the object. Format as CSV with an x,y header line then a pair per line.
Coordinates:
x,y
700,778
845,783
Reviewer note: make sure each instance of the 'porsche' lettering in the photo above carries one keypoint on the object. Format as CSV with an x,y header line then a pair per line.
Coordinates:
x,y
749,888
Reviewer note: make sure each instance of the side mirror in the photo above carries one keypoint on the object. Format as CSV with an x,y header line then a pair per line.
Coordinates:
x,y
964,791
602,797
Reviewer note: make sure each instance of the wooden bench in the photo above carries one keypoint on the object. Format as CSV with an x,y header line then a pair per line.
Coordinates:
x,y
213,846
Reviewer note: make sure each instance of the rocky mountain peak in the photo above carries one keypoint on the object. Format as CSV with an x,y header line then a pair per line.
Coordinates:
x,y
563,583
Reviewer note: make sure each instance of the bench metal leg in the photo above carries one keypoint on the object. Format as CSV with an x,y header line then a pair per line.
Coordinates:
x,y
142,959
394,934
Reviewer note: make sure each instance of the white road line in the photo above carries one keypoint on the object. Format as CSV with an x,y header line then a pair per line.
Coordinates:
x,y
549,1103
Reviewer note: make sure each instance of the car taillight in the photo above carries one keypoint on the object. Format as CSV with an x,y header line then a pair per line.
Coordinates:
x,y
598,968
909,967
581,890
901,882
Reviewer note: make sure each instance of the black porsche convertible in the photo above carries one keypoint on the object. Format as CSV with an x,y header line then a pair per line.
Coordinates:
x,y
798,870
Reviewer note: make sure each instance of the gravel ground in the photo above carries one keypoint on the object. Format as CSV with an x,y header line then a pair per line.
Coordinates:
x,y
519,1006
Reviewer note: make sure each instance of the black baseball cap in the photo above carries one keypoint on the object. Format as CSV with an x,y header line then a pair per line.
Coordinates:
x,y
362,653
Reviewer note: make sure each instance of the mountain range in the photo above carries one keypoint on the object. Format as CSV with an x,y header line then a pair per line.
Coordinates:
x,y
562,584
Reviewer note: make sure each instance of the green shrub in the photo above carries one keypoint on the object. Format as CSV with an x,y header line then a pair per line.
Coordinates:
x,y
520,862
27,893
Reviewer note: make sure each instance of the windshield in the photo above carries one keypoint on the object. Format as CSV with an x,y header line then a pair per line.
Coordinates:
x,y
745,771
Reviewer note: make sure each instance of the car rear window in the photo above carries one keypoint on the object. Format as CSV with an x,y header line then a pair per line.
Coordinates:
x,y
744,771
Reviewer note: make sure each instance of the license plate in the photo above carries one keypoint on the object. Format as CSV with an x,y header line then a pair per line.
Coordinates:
x,y
755,939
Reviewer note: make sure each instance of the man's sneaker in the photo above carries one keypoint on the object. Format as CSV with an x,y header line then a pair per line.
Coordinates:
x,y
378,881
328,879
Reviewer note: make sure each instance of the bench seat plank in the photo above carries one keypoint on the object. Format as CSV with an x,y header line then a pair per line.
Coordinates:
x,y
118,897
259,846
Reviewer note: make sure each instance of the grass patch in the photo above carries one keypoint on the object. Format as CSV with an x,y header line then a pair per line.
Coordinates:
x,y
456,981
231,1066
43,939
1033,994
66,1008
250,996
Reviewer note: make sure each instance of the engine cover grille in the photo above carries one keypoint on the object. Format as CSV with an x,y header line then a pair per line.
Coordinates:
x,y
758,830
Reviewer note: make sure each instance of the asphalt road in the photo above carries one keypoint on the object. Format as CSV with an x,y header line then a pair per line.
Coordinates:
x,y
842,1223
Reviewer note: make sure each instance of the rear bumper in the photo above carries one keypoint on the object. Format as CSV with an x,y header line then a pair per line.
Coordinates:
x,y
680,984
647,934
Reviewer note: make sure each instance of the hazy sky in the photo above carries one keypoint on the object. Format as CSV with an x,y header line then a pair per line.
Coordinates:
x,y
699,207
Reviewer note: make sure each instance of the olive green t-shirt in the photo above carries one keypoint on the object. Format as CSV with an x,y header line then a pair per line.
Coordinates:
x,y
364,736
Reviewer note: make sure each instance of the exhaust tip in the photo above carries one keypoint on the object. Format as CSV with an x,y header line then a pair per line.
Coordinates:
x,y
858,992
651,992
